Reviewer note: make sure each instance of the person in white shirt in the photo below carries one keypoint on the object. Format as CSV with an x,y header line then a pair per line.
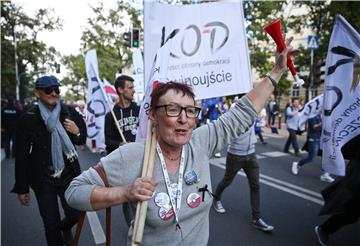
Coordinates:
x,y
292,116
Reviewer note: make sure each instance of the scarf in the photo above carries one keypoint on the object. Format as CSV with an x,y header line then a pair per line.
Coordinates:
x,y
60,141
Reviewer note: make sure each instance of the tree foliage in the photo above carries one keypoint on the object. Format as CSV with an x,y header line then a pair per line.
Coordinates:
x,y
32,54
320,19
104,33
75,81
262,47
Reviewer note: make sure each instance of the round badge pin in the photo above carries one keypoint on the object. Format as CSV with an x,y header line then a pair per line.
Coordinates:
x,y
165,213
191,177
162,199
193,200
134,131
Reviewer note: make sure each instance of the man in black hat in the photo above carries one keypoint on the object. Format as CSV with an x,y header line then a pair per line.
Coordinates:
x,y
46,160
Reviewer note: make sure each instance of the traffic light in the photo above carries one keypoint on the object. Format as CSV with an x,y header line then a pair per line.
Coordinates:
x,y
319,73
135,38
127,39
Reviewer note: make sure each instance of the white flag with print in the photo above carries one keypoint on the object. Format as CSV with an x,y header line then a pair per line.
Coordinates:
x,y
310,110
95,101
158,74
341,121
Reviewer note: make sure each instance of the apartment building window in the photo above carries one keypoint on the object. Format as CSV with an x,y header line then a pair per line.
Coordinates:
x,y
295,91
314,92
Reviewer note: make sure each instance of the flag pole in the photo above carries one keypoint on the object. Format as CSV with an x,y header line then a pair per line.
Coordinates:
x,y
116,123
112,112
147,171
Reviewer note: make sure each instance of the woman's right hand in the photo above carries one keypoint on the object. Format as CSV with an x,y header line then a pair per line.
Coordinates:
x,y
141,189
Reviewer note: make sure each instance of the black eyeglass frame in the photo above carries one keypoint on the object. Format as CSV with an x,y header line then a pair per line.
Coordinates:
x,y
165,106
49,90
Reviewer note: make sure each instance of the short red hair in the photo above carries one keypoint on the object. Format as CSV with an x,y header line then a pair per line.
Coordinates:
x,y
162,88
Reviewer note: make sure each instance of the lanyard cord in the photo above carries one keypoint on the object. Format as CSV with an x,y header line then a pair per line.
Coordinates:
x,y
175,204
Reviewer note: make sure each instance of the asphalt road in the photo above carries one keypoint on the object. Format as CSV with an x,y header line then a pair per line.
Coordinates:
x,y
290,203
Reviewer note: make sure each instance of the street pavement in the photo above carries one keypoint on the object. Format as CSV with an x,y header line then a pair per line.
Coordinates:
x,y
290,203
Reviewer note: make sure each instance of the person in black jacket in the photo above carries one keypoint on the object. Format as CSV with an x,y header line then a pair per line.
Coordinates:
x,y
10,113
46,160
342,197
127,114
272,109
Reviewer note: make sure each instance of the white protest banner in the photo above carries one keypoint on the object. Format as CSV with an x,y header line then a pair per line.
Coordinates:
x,y
138,63
341,121
159,74
210,52
310,109
95,101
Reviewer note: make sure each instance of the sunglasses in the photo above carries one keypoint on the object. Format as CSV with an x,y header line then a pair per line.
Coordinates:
x,y
49,90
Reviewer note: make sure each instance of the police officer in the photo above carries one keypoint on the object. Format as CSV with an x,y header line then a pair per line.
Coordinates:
x,y
9,116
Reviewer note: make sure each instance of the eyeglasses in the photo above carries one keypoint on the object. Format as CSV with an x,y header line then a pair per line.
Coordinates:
x,y
49,90
173,110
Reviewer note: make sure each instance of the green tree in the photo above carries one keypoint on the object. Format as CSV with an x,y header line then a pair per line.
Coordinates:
x,y
320,19
257,14
32,54
75,81
105,34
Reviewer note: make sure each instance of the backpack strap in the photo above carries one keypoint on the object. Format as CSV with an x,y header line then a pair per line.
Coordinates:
x,y
100,170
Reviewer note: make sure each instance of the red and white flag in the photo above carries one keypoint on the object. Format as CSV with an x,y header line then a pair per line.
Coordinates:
x,y
110,91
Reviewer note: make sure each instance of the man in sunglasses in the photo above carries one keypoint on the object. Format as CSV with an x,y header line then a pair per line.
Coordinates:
x,y
46,159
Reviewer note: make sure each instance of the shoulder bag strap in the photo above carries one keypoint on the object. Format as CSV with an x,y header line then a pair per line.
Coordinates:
x,y
100,170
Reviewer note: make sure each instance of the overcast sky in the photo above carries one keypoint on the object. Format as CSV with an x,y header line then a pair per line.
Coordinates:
x,y
74,14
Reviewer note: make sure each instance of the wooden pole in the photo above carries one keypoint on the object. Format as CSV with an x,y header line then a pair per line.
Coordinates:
x,y
112,113
116,123
143,174
148,168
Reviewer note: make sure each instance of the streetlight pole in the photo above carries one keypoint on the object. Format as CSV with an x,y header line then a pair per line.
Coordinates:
x,y
16,66
311,74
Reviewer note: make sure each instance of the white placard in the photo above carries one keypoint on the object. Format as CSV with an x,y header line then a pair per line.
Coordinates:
x,y
209,52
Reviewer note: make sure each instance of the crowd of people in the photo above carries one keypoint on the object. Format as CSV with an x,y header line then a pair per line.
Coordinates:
x,y
188,132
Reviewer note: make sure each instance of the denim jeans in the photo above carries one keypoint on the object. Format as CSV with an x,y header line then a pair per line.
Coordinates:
x,y
260,136
251,168
293,140
47,197
313,146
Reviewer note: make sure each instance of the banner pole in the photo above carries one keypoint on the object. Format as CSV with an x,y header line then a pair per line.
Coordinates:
x,y
112,112
147,171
